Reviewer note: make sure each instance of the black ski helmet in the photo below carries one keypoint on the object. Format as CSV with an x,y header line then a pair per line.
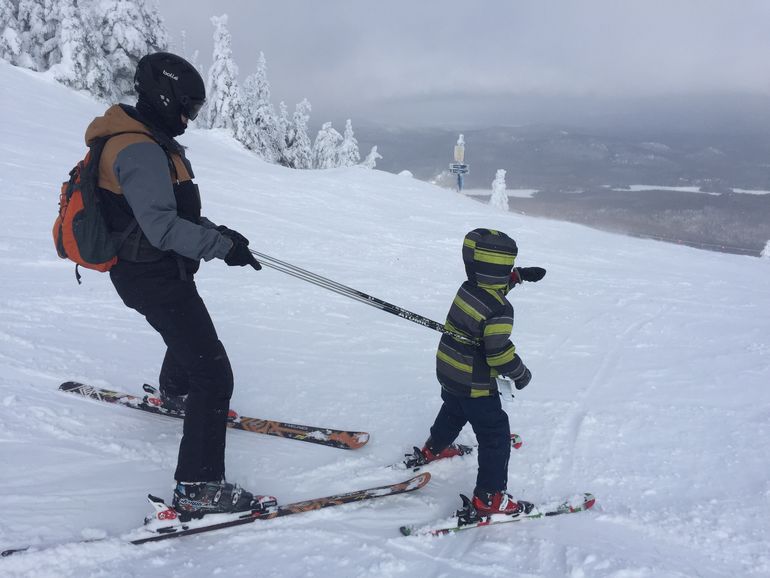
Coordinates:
x,y
170,85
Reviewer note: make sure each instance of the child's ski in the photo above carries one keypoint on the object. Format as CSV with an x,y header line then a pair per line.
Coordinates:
x,y
467,517
164,523
347,440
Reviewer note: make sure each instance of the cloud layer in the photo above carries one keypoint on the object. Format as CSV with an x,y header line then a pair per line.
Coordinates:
x,y
346,55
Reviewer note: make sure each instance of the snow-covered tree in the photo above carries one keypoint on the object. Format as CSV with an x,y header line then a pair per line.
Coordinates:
x,y
283,125
10,38
298,151
348,153
37,22
766,251
443,179
195,61
499,198
370,161
224,105
130,29
183,44
261,125
83,65
325,147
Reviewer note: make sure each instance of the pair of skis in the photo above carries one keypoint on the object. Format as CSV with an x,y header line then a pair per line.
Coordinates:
x,y
164,524
336,438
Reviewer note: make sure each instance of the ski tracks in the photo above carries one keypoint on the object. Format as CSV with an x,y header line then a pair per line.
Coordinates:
x,y
559,471
563,443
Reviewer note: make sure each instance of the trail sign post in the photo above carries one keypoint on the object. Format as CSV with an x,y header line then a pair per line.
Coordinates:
x,y
459,167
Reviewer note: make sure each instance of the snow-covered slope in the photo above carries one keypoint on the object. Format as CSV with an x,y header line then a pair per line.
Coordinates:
x,y
650,361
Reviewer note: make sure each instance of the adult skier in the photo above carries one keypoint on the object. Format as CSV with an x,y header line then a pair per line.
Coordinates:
x,y
153,207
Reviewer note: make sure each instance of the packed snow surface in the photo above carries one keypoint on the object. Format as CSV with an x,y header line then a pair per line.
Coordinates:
x,y
651,367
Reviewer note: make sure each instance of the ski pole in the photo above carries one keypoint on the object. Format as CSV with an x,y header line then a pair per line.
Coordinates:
x,y
357,295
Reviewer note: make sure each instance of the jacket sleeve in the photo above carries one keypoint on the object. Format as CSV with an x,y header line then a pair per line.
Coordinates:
x,y
142,171
206,223
500,352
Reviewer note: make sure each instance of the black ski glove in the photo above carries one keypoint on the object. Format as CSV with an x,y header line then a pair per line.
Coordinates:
x,y
240,256
524,380
234,236
533,274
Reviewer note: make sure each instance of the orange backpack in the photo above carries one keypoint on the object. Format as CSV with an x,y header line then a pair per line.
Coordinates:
x,y
80,232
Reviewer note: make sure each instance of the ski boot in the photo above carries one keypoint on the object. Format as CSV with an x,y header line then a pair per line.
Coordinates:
x,y
174,405
489,504
420,457
198,499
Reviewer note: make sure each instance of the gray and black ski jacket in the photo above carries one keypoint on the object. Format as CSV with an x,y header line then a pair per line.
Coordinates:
x,y
145,181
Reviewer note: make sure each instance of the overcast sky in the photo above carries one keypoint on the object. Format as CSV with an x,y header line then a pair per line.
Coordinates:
x,y
406,61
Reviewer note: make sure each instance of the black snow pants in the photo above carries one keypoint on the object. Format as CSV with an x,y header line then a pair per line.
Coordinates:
x,y
195,363
493,433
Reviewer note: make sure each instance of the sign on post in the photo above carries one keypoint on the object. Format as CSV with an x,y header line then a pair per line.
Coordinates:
x,y
459,167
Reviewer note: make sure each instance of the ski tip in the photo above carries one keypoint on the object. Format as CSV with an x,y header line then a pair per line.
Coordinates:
x,y
151,389
70,385
11,551
156,501
350,440
418,481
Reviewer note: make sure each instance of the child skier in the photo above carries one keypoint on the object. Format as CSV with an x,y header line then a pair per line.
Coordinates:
x,y
468,363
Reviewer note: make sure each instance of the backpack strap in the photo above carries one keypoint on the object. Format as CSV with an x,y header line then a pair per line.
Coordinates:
x,y
90,180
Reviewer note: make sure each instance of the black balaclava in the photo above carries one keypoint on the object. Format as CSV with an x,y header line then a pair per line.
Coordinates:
x,y
172,127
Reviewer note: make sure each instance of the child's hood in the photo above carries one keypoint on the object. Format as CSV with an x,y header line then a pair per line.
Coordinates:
x,y
489,256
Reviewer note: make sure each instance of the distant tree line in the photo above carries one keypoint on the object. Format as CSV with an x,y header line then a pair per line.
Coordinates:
x,y
95,45
731,223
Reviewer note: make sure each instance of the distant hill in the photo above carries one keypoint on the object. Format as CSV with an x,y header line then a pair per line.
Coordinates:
x,y
594,177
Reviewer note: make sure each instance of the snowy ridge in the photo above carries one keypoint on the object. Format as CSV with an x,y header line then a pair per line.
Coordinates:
x,y
650,364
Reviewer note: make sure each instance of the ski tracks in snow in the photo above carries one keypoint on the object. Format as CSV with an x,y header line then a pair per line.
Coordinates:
x,y
559,472
560,467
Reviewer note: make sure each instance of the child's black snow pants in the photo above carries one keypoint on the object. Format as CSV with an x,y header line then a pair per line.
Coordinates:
x,y
195,363
493,433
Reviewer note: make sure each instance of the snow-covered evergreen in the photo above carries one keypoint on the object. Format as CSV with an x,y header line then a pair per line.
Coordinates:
x,y
195,61
95,45
131,29
83,65
261,131
10,39
37,21
325,147
370,161
91,45
224,108
183,44
348,153
499,198
298,150
283,125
